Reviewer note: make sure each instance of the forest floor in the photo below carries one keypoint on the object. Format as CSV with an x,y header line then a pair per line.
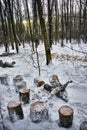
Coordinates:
x,y
69,63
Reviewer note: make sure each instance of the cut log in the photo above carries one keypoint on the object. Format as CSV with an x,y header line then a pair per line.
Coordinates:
x,y
83,125
62,87
24,95
20,85
4,79
17,78
38,111
15,110
7,64
48,87
54,81
61,94
7,54
66,116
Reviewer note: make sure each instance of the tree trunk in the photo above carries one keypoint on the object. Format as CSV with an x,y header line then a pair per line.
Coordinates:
x,y
13,26
44,32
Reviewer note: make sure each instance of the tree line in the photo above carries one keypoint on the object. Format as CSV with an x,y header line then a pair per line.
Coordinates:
x,y
50,21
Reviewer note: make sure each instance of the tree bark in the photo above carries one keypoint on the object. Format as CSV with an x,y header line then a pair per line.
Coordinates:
x,y
44,32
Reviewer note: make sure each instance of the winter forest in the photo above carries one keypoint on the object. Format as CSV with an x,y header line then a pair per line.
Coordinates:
x,y
43,64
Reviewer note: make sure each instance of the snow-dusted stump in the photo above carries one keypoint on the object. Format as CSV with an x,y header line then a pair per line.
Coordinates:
x,y
4,79
17,78
24,95
54,81
66,116
38,111
15,110
83,125
20,85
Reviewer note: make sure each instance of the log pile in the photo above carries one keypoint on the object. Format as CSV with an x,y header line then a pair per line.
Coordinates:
x,y
56,88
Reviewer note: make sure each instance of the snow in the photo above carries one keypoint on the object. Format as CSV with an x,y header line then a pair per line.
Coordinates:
x,y
72,69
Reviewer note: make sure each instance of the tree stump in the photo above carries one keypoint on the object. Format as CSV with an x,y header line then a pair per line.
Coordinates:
x,y
66,116
24,95
20,85
4,79
17,78
83,125
15,110
38,111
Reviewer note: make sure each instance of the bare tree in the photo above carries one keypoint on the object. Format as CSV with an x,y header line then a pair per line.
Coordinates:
x,y
44,32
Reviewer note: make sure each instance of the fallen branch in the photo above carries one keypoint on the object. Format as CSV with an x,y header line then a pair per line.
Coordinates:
x,y
76,50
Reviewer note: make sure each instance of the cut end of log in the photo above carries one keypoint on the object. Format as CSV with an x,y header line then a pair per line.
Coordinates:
x,y
66,110
21,83
17,78
4,75
54,91
40,83
13,104
37,105
24,90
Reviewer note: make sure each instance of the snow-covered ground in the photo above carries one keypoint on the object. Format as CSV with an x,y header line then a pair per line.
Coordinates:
x,y
67,64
